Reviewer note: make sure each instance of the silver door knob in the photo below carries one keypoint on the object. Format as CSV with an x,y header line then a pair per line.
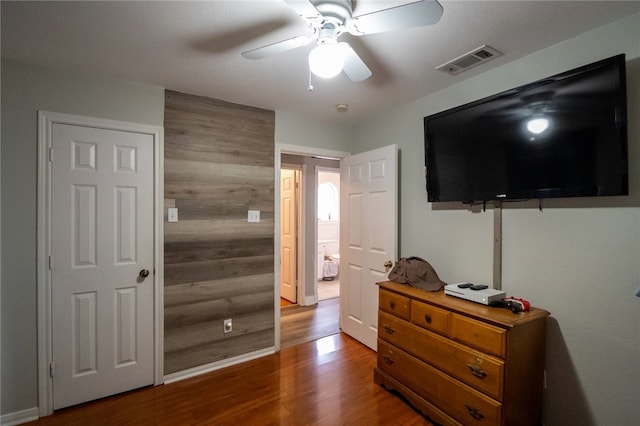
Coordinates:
x,y
144,273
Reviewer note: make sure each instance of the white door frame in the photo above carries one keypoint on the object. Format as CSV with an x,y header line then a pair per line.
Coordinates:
x,y
45,125
296,150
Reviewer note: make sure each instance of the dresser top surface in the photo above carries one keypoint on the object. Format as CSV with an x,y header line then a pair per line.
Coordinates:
x,y
499,316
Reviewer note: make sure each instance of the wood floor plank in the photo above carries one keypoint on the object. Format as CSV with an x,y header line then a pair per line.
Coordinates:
x,y
324,382
303,324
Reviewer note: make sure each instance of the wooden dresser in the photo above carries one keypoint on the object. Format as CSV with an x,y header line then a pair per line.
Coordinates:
x,y
459,362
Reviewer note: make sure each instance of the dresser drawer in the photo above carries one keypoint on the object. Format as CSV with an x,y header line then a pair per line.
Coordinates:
x,y
479,335
430,317
397,332
460,401
395,304
481,371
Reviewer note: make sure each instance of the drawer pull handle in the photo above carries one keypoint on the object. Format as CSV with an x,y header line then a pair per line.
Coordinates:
x,y
389,329
477,371
388,359
392,304
427,318
474,412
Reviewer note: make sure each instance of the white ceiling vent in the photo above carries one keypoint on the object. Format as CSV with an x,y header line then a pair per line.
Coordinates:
x,y
469,60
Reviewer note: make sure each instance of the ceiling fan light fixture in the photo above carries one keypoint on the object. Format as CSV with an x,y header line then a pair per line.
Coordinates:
x,y
329,19
326,60
538,125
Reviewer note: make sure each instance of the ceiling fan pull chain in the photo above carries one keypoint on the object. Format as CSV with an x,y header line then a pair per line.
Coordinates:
x,y
310,88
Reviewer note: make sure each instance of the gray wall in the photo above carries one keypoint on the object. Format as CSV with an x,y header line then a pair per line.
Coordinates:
x,y
579,259
300,130
25,90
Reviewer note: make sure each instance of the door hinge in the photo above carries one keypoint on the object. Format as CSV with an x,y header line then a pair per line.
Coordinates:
x,y
51,369
50,262
51,154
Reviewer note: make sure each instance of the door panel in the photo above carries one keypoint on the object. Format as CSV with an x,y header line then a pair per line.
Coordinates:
x,y
85,349
102,237
84,225
126,214
368,237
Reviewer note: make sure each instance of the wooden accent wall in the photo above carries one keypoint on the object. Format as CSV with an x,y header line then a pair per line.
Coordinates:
x,y
219,163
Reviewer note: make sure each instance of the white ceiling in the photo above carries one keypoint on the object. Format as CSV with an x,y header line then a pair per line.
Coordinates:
x,y
195,47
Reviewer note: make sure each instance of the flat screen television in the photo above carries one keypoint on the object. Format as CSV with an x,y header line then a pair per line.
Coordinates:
x,y
563,136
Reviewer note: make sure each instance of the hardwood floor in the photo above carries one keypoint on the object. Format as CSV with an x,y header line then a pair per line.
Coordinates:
x,y
328,289
299,324
324,382
284,302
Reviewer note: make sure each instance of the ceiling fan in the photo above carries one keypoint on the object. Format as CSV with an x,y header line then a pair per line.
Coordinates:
x,y
328,19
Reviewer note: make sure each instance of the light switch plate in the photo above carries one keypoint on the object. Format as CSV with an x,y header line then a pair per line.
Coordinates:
x,y
253,216
172,214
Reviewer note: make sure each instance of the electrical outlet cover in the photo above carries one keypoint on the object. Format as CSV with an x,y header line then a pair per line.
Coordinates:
x,y
228,326
172,214
253,216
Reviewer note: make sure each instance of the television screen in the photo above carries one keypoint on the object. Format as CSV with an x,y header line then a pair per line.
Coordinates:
x,y
563,136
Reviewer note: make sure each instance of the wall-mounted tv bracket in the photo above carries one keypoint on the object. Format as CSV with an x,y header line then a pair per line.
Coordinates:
x,y
497,245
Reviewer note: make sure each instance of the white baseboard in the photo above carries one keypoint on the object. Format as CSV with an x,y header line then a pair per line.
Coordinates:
x,y
202,369
20,417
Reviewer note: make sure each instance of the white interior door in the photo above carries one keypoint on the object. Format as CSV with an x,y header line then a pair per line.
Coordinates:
x,y
288,240
102,242
368,237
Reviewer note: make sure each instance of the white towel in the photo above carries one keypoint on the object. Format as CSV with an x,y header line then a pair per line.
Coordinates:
x,y
329,269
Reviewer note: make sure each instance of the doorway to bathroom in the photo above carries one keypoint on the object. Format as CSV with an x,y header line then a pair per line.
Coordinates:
x,y
314,195
328,232
309,229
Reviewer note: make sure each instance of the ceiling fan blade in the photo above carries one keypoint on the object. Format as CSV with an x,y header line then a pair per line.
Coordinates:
x,y
354,66
279,47
417,14
303,8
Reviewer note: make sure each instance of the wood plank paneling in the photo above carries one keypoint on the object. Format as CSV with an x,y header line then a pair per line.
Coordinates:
x,y
193,251
176,273
207,230
218,350
219,161
183,294
194,313
199,334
